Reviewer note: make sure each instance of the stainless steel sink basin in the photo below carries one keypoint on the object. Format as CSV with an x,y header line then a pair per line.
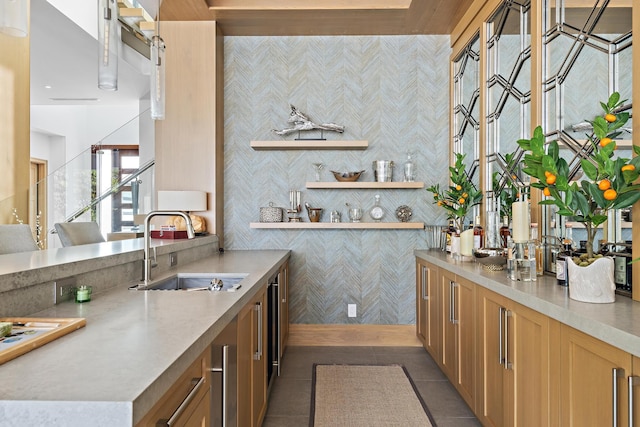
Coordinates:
x,y
198,282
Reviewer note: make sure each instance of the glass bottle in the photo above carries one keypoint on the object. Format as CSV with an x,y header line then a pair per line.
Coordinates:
x,y
504,231
539,249
562,269
451,231
409,169
376,213
478,234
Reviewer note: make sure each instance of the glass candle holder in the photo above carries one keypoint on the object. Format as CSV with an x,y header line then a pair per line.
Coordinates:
x,y
83,293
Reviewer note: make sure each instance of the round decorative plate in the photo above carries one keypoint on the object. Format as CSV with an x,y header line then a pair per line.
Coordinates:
x,y
404,213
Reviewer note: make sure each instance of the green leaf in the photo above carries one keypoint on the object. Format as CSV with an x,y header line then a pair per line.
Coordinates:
x,y
598,219
564,212
613,99
589,169
583,204
636,150
554,150
625,200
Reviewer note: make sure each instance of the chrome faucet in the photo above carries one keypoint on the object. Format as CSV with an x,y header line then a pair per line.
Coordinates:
x,y
147,258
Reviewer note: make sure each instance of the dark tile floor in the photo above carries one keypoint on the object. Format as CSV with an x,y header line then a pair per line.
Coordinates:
x,y
289,402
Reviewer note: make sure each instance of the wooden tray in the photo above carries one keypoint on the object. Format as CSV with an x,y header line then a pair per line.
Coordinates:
x,y
33,333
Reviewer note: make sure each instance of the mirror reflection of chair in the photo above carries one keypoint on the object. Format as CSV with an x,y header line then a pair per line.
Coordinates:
x,y
16,238
78,233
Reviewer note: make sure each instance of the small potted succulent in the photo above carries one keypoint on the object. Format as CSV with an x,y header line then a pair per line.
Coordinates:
x,y
460,196
607,180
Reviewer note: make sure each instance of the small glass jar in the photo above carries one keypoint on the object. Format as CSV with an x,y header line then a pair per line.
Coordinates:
x,y
83,293
409,169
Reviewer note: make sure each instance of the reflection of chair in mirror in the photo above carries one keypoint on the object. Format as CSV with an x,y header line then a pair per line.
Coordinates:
x,y
16,238
78,233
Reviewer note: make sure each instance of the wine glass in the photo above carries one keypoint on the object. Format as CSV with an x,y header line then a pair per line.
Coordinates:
x,y
318,168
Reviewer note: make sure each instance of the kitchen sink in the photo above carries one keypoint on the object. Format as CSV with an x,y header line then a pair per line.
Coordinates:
x,y
197,282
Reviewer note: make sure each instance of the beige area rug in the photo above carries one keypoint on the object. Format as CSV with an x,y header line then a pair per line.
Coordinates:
x,y
367,396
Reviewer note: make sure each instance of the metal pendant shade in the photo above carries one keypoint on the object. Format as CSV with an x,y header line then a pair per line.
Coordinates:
x,y
107,45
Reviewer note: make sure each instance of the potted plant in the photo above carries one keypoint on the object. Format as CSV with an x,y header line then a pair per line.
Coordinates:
x,y
460,196
607,181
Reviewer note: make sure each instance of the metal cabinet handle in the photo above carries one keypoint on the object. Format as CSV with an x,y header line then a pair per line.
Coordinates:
x,y
277,322
425,284
500,336
284,282
634,381
617,373
258,354
452,298
507,364
450,301
225,382
198,382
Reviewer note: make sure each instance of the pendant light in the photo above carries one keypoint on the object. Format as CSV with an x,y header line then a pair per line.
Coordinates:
x,y
157,92
14,17
157,78
107,45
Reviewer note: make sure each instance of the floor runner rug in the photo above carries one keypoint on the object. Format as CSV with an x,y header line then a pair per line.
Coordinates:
x,y
367,396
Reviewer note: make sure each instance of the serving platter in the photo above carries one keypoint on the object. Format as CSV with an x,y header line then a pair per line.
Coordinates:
x,y
29,333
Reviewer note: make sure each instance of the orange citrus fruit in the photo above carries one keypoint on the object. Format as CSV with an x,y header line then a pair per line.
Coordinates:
x,y
551,179
547,174
465,195
458,187
610,194
461,200
546,191
605,141
628,168
610,117
439,203
605,184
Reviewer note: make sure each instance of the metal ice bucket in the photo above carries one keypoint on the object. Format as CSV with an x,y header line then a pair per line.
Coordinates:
x,y
383,170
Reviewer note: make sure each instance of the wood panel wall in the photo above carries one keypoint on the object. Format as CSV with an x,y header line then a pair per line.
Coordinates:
x,y
189,141
14,127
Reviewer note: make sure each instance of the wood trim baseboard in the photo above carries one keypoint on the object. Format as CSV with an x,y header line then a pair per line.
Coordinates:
x,y
353,335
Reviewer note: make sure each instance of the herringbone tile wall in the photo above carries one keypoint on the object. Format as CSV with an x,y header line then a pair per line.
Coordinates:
x,y
392,91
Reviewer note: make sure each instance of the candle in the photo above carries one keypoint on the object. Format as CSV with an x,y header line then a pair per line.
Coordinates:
x,y
83,294
520,221
466,242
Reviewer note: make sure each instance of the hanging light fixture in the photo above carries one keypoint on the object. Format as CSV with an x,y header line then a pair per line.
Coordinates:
x,y
107,44
14,17
157,73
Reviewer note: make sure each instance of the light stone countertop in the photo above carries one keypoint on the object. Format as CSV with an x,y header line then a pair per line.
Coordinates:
x,y
134,346
616,323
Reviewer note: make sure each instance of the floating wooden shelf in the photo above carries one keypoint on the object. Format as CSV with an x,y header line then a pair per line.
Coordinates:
x,y
358,184
342,225
309,145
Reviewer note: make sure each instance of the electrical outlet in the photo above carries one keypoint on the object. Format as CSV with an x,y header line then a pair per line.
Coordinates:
x,y
351,310
173,259
64,289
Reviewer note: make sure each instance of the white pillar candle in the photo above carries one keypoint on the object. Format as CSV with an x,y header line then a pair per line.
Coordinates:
x,y
466,242
520,221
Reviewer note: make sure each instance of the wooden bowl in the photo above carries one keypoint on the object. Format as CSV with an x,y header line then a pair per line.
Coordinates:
x,y
347,176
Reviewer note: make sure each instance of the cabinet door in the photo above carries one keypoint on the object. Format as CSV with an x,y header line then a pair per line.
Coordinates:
x,y
464,316
592,373
245,360
634,390
427,316
259,363
199,417
492,379
447,282
284,307
528,356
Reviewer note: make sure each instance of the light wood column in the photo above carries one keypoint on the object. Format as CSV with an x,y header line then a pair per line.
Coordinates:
x,y
190,140
14,127
636,141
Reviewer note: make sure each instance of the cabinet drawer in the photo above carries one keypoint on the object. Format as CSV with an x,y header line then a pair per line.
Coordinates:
x,y
184,396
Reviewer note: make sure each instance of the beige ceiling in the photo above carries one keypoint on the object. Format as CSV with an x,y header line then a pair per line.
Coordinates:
x,y
320,17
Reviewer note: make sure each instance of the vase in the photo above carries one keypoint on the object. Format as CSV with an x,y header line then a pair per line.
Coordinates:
x,y
593,283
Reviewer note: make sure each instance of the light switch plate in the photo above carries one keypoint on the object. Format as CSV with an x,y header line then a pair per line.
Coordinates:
x,y
64,289
351,310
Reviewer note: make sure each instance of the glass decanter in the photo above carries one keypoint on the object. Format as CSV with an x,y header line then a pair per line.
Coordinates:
x,y
377,212
409,168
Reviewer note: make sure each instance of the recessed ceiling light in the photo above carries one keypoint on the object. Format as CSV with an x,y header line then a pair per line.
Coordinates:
x,y
75,99
47,87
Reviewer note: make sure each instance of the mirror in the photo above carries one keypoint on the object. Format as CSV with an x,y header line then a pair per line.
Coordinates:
x,y
588,52
508,53
466,109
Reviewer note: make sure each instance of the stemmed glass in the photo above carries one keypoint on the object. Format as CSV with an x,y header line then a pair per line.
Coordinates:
x,y
318,168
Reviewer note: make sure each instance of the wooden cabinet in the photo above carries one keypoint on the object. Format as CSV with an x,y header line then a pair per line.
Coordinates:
x,y
634,395
594,378
457,308
513,370
284,307
252,367
187,402
427,314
